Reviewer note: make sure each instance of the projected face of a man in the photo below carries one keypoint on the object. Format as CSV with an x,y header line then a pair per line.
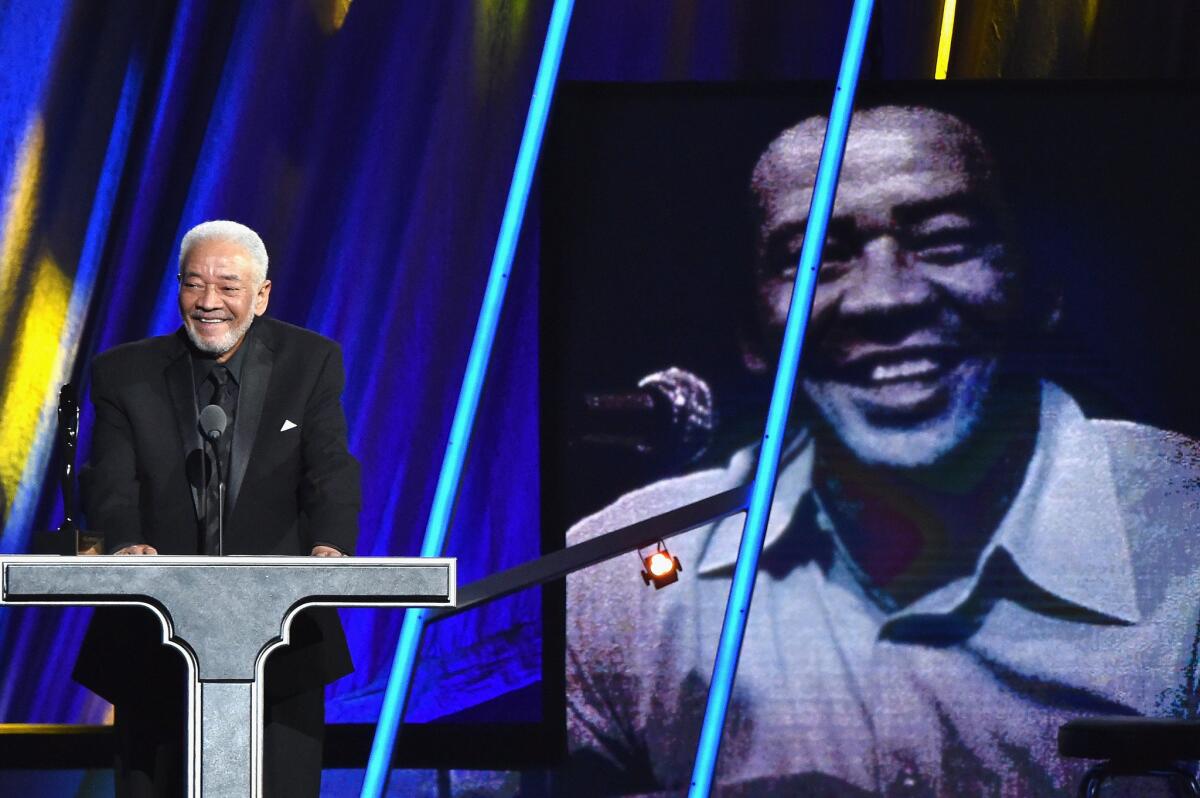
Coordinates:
x,y
915,291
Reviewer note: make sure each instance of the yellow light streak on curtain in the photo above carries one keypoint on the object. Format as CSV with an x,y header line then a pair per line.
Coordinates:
x,y
1090,9
20,212
943,53
34,372
499,36
331,14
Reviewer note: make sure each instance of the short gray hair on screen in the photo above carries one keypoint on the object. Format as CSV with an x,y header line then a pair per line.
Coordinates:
x,y
225,230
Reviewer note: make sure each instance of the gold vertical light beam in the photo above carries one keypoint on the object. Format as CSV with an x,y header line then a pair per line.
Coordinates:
x,y
18,210
943,53
31,381
330,14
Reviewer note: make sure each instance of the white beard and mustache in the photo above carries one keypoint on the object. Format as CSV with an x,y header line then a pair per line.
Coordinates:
x,y
220,345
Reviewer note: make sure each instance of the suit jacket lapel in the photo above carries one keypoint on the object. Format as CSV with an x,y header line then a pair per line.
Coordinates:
x,y
252,393
183,399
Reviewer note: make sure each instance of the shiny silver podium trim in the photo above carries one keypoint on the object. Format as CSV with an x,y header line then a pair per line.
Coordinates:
x,y
226,614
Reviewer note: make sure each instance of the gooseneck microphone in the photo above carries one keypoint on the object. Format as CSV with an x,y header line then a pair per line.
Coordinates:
x,y
212,426
671,416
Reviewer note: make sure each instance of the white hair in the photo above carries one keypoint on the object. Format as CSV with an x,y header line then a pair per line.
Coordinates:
x,y
225,230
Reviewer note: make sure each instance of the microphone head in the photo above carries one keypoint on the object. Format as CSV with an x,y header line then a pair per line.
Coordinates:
x,y
692,411
212,422
670,419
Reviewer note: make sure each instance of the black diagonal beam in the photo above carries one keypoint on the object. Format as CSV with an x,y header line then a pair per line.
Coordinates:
x,y
558,564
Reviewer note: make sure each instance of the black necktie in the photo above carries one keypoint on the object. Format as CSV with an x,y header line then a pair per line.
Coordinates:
x,y
224,395
224,391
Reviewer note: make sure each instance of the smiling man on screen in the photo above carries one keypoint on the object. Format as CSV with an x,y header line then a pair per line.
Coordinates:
x,y
957,559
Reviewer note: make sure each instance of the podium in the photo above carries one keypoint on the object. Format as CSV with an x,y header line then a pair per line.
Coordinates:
x,y
226,614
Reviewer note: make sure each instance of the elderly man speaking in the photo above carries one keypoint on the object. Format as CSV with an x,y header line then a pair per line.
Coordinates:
x,y
293,489
957,559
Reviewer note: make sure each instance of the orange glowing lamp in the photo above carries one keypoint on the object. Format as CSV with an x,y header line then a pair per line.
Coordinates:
x,y
661,568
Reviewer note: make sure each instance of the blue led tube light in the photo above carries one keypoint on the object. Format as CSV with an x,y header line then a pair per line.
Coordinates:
x,y
395,696
737,609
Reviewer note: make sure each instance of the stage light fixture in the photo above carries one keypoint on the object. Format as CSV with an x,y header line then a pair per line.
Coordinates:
x,y
661,568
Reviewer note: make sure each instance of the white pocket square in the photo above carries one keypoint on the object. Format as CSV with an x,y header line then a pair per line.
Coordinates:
x,y
288,424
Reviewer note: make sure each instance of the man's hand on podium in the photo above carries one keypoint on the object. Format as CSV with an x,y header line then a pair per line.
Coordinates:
x,y
137,548
142,548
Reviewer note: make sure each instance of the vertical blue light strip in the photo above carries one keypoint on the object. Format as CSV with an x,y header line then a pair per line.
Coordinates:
x,y
737,610
468,399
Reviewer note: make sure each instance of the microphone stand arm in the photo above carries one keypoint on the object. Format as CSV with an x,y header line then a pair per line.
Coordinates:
x,y
220,501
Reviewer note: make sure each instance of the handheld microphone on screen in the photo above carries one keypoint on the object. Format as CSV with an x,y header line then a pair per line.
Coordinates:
x,y
212,426
670,417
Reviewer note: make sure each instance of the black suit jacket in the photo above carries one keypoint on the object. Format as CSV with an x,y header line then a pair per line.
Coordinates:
x,y
288,489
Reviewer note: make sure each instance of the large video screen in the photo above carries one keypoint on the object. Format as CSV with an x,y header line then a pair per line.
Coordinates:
x,y
985,518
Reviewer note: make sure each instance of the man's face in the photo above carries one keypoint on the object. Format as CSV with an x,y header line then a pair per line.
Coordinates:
x,y
915,291
219,297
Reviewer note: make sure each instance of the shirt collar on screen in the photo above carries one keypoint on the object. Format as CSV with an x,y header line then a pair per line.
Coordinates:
x,y
1063,533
